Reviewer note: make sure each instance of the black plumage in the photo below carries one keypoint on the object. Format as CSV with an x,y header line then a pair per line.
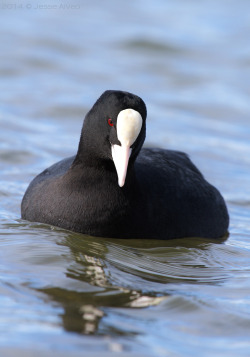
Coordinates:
x,y
164,196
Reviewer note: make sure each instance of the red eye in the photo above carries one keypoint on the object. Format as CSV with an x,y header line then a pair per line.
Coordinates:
x,y
110,122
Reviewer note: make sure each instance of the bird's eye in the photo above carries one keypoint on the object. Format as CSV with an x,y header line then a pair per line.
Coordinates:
x,y
110,122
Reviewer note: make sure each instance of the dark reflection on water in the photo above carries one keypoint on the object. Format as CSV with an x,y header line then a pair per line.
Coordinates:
x,y
108,273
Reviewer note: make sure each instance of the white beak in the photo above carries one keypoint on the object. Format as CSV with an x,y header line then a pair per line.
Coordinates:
x,y
129,123
121,156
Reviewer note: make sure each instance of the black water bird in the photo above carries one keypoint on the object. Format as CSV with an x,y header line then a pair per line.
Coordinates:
x,y
160,194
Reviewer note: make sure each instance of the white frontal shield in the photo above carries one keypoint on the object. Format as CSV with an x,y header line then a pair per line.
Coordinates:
x,y
129,123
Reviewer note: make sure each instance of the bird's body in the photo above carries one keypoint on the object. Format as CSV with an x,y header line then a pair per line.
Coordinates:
x,y
162,196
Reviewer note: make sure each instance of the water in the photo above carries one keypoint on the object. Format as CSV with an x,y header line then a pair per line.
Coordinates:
x,y
64,293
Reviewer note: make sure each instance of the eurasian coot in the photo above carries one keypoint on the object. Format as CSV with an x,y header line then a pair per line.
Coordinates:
x,y
113,188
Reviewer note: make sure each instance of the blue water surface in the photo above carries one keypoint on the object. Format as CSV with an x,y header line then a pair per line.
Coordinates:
x,y
69,294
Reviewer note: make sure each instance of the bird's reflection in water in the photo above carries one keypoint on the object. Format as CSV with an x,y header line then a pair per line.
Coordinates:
x,y
104,274
85,303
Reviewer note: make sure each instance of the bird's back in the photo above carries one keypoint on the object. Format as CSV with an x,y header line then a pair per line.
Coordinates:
x,y
180,202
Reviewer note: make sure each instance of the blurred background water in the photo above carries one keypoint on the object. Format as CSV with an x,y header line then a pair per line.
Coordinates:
x,y
67,294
